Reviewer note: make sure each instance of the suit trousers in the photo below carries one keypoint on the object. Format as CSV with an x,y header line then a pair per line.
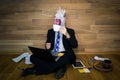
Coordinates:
x,y
45,67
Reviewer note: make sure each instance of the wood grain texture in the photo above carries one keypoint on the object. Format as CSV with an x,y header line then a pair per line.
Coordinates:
x,y
96,23
10,70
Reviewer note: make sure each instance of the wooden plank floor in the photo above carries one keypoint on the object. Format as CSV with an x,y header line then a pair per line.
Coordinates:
x,y
9,70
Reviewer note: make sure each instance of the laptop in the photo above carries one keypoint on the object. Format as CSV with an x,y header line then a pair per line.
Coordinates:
x,y
42,54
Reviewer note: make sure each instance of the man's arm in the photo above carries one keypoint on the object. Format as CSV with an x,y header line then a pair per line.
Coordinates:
x,y
72,39
70,36
48,44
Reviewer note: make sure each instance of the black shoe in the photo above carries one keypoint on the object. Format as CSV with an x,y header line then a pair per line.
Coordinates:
x,y
28,71
60,73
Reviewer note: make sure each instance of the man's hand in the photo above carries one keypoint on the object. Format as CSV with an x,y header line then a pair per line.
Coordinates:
x,y
48,45
63,31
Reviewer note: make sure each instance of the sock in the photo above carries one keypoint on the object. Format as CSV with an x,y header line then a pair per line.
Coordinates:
x,y
17,59
27,59
101,59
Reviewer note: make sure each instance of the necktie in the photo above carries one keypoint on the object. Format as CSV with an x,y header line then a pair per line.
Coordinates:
x,y
56,49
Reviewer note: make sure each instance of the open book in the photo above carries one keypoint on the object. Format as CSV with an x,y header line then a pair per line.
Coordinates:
x,y
78,64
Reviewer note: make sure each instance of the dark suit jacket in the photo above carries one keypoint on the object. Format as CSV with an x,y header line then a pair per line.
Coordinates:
x,y
67,43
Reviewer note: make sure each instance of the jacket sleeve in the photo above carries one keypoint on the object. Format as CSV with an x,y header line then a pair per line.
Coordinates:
x,y
48,37
72,40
